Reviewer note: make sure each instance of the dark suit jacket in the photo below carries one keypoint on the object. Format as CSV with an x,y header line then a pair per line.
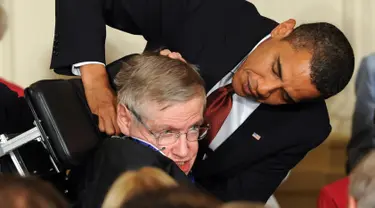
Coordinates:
x,y
215,35
114,157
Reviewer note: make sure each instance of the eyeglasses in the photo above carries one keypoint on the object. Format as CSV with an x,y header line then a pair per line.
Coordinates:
x,y
168,137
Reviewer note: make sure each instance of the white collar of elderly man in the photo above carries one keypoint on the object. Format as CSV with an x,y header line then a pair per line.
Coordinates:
x,y
161,103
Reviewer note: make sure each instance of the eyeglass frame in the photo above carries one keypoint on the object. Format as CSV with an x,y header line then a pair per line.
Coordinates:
x,y
178,135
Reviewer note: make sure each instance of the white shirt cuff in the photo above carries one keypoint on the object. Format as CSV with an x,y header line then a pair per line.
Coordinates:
x,y
75,67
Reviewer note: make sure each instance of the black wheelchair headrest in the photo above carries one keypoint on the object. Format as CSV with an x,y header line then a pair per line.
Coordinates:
x,y
62,115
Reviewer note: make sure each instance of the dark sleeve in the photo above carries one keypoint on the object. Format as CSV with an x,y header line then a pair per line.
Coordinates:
x,y
15,116
363,134
80,30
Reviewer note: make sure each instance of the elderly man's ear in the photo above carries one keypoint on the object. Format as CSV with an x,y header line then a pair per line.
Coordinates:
x,y
124,119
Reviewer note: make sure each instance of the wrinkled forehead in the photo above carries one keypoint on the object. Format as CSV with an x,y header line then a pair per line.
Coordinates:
x,y
177,115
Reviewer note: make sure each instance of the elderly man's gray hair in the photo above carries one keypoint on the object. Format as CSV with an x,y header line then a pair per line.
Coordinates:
x,y
151,78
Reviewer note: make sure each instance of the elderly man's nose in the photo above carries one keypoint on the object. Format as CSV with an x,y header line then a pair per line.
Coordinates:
x,y
181,149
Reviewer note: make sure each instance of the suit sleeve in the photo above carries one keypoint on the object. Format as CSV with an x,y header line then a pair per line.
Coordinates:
x,y
80,25
363,138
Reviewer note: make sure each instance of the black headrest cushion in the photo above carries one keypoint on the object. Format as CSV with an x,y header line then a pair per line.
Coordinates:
x,y
65,118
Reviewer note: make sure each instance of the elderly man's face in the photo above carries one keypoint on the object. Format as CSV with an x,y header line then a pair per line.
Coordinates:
x,y
178,117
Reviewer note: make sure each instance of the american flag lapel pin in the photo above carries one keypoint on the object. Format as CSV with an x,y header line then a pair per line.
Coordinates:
x,y
256,136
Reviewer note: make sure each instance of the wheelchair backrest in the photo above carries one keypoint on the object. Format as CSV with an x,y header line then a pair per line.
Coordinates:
x,y
64,119
61,112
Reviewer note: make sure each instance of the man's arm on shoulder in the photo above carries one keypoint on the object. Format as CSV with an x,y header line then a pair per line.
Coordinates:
x,y
80,34
80,30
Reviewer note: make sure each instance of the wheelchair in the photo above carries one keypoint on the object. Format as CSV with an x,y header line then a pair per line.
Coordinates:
x,y
64,135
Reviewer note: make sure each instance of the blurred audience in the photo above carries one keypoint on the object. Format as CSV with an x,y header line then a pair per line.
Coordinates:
x,y
132,183
13,87
243,204
363,140
360,144
362,183
30,192
15,116
152,187
131,187
173,197
182,197
334,195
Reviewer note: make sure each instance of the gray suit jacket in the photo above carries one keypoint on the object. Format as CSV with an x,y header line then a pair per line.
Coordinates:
x,y
363,138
